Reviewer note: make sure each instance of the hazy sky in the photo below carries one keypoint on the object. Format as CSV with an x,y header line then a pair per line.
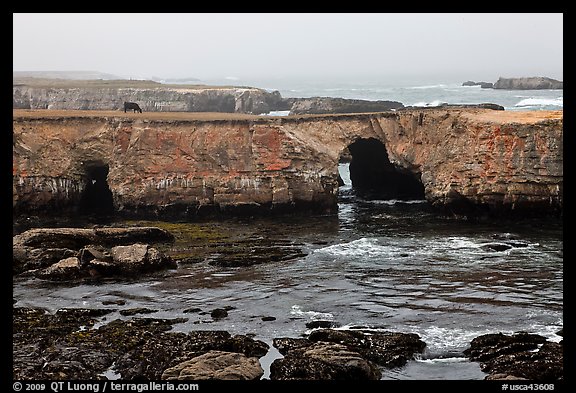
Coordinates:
x,y
245,45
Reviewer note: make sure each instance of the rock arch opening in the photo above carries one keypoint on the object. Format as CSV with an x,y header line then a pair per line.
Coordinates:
x,y
96,198
373,176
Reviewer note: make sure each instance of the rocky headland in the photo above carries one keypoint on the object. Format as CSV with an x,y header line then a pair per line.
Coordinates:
x,y
463,160
151,96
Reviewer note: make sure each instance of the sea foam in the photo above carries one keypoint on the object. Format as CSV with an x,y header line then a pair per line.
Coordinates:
x,y
536,102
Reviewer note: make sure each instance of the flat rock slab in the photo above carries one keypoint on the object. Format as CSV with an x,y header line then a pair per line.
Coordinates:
x,y
219,365
76,238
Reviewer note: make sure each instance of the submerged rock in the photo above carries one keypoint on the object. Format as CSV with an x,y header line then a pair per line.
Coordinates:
x,y
219,313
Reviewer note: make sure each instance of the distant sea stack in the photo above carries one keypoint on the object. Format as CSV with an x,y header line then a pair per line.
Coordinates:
x,y
484,85
529,83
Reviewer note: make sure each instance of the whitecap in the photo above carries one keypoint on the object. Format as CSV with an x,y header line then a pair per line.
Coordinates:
x,y
442,340
443,360
541,102
362,248
439,86
428,104
313,315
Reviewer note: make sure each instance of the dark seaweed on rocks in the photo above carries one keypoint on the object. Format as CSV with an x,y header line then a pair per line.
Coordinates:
x,y
65,346
343,354
518,356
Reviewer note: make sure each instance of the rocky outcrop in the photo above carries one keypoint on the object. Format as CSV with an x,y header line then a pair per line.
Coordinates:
x,y
518,356
323,361
465,160
73,253
483,85
343,354
326,105
157,99
528,83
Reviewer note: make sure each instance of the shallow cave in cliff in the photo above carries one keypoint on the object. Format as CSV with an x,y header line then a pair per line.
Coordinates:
x,y
373,176
97,196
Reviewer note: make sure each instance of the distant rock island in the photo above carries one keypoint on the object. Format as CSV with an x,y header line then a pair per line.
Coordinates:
x,y
524,83
530,83
484,85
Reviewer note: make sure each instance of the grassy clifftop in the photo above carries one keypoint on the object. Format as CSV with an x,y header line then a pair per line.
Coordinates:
x,y
48,83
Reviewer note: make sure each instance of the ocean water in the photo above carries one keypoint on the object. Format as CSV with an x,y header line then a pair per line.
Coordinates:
x,y
418,93
388,265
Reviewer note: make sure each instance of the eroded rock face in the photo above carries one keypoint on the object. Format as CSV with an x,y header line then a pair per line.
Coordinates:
x,y
468,160
159,99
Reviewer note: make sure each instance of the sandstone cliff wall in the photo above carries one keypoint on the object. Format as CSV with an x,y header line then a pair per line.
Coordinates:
x,y
465,158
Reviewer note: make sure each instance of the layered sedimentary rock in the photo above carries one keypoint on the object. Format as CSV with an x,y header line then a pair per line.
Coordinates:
x,y
155,99
528,83
465,160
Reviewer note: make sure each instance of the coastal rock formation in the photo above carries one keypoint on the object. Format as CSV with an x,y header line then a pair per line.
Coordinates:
x,y
323,361
343,354
483,85
518,356
529,83
160,98
325,105
464,160
71,253
67,347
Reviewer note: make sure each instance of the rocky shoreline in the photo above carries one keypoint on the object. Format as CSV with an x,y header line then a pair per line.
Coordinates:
x,y
78,343
66,346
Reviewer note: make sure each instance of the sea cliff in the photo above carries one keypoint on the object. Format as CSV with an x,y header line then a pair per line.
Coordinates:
x,y
466,160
